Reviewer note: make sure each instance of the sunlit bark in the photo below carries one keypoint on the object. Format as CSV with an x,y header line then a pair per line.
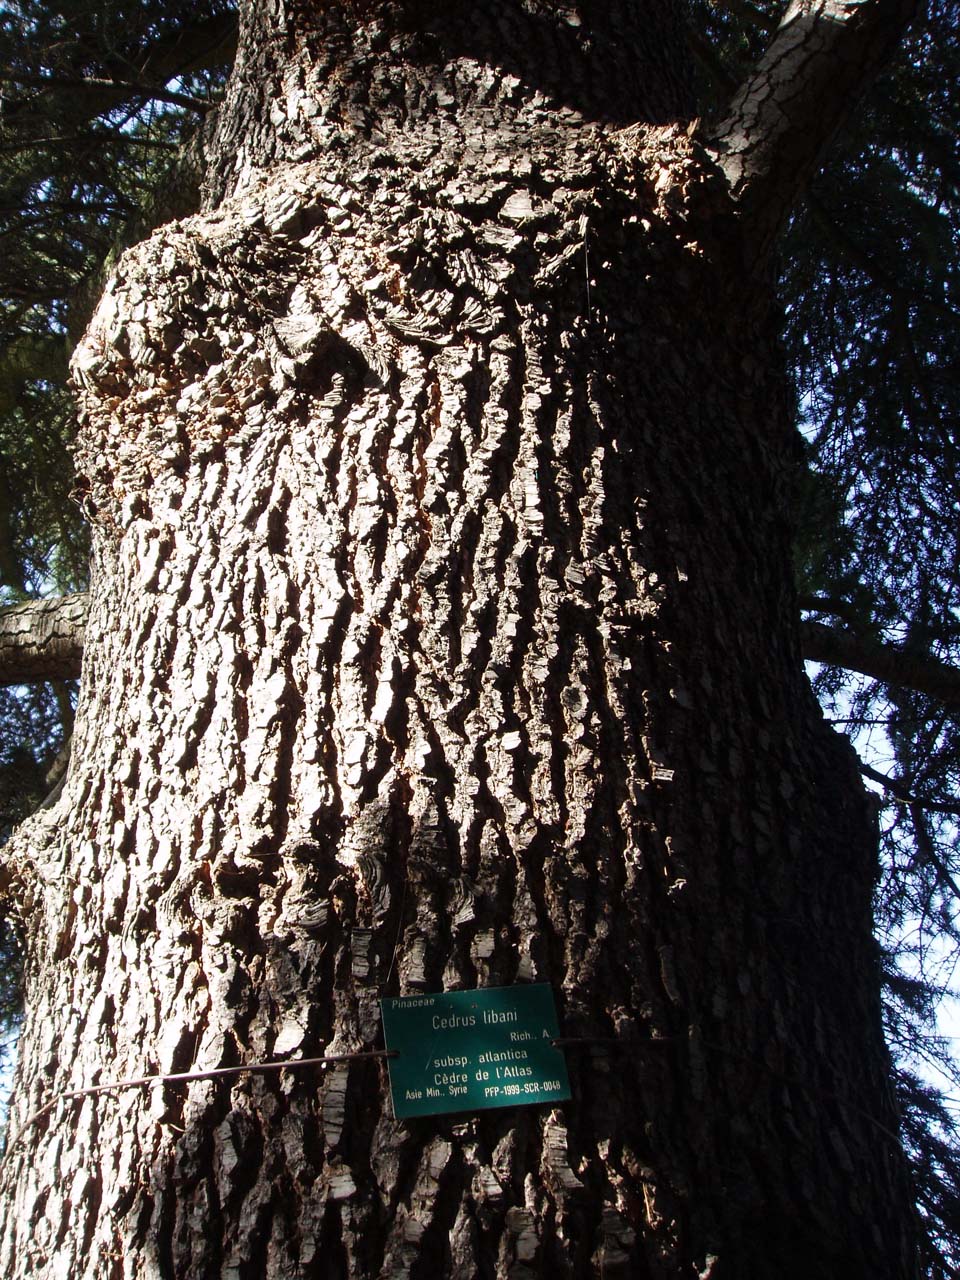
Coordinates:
x,y
42,639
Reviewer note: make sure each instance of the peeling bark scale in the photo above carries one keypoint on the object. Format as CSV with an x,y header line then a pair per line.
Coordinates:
x,y
442,636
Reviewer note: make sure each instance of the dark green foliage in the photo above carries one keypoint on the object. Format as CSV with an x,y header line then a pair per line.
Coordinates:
x,y
870,282
871,286
931,1136
95,100
34,723
43,545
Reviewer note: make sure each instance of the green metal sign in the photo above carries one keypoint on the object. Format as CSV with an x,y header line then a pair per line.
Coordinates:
x,y
469,1050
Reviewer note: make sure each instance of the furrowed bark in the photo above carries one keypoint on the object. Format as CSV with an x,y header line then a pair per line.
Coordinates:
x,y
42,639
887,662
821,58
442,636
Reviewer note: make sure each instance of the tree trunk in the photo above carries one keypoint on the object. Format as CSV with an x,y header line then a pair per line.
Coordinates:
x,y
442,635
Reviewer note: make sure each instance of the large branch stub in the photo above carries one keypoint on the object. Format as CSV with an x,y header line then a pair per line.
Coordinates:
x,y
886,662
42,639
822,57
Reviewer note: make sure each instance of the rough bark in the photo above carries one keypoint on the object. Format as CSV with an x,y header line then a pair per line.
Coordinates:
x,y
442,635
886,662
42,639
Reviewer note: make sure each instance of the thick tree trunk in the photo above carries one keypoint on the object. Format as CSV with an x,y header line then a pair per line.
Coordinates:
x,y
442,636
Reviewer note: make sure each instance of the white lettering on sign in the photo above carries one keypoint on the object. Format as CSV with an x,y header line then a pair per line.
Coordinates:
x,y
453,1020
500,1015
467,1050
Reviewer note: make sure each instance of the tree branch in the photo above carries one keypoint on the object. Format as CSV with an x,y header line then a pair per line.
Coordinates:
x,y
822,57
82,139
100,85
902,792
42,639
863,261
193,48
882,661
834,606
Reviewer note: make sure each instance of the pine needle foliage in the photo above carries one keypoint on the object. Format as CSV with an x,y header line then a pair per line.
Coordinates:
x,y
96,100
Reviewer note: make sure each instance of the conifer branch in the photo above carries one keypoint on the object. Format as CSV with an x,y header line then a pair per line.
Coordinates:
x,y
899,789
882,661
100,85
